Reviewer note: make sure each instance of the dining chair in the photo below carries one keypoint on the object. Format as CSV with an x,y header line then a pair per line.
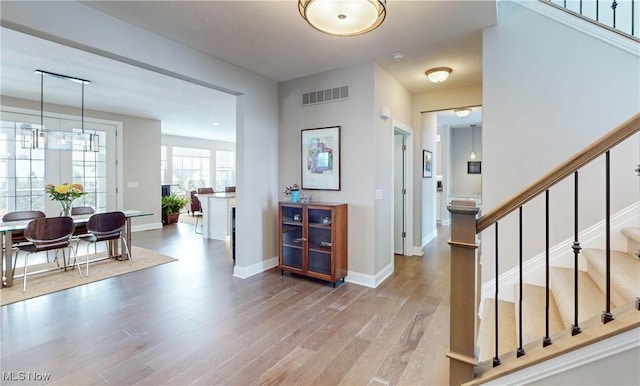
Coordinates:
x,y
17,237
46,234
81,229
107,227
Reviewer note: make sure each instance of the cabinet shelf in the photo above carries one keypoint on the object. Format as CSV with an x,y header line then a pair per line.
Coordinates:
x,y
315,246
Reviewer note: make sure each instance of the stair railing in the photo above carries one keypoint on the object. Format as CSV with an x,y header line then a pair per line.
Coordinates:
x,y
465,273
619,17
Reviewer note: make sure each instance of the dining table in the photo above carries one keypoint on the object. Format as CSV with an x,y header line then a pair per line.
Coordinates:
x,y
8,227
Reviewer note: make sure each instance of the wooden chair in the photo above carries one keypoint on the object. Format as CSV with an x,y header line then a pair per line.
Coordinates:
x,y
108,227
46,234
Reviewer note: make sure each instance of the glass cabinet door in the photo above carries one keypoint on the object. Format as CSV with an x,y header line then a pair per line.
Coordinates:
x,y
292,237
320,244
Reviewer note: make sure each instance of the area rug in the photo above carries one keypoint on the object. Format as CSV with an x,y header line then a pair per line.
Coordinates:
x,y
43,283
189,219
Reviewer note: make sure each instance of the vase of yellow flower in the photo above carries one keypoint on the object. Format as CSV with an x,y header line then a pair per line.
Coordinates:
x,y
65,194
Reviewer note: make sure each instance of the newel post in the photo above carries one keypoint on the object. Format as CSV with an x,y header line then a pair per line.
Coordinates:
x,y
464,294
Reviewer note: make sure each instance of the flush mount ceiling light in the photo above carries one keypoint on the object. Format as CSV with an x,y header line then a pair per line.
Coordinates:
x,y
438,74
462,112
343,17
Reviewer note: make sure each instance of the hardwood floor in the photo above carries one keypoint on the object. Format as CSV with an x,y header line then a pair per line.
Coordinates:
x,y
191,322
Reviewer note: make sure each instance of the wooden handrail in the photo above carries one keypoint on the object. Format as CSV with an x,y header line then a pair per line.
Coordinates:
x,y
588,154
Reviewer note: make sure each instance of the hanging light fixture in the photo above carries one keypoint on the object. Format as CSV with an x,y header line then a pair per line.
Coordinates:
x,y
38,138
343,17
472,155
438,74
462,112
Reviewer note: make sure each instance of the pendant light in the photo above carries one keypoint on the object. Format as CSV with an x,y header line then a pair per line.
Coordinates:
x,y
40,138
472,155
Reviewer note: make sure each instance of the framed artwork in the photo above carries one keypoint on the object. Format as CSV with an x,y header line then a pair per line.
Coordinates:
x,y
427,164
321,158
474,167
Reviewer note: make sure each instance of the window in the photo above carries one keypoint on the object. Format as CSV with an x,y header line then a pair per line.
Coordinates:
x,y
24,173
225,169
163,165
191,168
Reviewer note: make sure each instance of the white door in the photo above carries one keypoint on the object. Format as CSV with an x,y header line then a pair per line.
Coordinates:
x,y
399,190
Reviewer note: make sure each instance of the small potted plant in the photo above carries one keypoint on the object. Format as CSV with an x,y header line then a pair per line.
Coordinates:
x,y
171,206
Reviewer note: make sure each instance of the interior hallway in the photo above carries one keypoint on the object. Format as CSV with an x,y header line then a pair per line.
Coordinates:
x,y
191,322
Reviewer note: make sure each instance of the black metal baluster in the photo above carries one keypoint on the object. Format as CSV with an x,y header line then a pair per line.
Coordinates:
x,y
633,17
581,7
614,5
496,359
575,328
520,352
607,316
546,341
597,10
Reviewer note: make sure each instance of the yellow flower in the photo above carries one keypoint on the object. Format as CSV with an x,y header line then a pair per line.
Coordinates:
x,y
62,189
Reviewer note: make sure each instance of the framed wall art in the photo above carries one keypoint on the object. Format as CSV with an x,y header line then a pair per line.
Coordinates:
x,y
321,158
427,164
474,167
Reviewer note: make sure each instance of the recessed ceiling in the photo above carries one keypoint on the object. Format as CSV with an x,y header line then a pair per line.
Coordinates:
x,y
266,37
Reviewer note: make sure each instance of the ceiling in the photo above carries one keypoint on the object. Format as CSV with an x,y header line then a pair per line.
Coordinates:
x,y
281,47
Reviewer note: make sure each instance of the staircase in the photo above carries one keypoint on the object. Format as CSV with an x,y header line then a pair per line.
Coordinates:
x,y
625,289
541,328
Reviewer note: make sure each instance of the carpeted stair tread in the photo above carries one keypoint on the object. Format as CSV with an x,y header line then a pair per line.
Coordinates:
x,y
507,329
633,240
625,273
534,314
590,300
632,233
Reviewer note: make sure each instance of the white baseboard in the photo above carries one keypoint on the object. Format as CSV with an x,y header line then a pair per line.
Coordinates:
x,y
576,362
560,253
417,251
428,238
371,281
254,269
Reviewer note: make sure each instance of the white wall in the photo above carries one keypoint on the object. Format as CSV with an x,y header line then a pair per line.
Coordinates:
x,y
425,191
366,163
357,150
464,184
75,25
389,93
549,91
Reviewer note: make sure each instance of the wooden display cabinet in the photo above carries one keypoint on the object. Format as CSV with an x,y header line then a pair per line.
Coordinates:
x,y
313,240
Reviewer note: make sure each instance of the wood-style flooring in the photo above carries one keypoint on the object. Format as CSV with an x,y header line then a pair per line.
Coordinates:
x,y
191,322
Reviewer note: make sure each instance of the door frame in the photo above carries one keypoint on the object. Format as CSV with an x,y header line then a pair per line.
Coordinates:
x,y
407,131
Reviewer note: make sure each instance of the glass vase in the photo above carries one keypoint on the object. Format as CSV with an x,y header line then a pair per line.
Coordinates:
x,y
65,208
294,196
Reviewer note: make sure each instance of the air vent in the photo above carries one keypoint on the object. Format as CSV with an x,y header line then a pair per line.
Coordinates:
x,y
327,95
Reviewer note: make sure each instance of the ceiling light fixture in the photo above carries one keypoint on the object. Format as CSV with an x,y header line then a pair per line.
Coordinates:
x,y
398,57
438,74
38,137
462,112
343,17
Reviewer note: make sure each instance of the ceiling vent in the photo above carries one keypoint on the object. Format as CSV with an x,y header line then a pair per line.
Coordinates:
x,y
323,96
